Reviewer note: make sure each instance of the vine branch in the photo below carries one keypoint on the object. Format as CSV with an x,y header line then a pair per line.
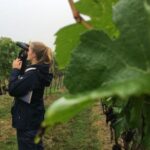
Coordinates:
x,y
77,16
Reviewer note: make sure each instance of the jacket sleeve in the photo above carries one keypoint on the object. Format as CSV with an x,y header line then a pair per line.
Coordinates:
x,y
19,86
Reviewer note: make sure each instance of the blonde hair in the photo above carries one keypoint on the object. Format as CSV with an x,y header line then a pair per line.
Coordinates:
x,y
42,52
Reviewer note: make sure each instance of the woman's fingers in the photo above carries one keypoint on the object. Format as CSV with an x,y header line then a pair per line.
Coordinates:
x,y
17,63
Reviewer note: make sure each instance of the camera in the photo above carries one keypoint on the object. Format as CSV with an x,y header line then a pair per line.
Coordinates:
x,y
23,54
24,49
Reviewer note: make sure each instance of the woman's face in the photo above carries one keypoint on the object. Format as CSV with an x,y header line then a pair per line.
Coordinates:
x,y
31,55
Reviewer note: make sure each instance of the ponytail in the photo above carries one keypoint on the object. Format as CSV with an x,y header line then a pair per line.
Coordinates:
x,y
42,52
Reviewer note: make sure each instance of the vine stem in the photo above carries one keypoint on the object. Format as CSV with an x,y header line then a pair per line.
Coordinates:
x,y
77,16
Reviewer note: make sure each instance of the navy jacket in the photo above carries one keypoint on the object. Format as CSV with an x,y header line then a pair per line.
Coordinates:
x,y
29,115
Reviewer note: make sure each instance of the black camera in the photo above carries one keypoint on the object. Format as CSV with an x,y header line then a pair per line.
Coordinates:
x,y
23,54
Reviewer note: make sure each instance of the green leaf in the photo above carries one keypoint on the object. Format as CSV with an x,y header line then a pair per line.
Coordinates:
x,y
68,37
69,108
119,127
100,13
134,115
103,67
99,60
8,52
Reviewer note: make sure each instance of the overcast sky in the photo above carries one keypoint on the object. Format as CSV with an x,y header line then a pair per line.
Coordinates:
x,y
33,20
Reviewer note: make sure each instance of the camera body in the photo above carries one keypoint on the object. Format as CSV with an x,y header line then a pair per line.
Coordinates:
x,y
23,54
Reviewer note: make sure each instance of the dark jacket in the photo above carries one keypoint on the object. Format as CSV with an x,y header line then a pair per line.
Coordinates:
x,y
29,115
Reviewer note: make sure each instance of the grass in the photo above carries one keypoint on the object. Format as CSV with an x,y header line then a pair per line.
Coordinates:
x,y
9,144
83,134
7,133
77,134
5,105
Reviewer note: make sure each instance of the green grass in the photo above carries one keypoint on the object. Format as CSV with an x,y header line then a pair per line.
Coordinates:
x,y
7,133
5,105
83,134
9,144
77,134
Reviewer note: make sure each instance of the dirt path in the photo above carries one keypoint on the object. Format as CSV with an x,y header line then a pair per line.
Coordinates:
x,y
87,131
103,133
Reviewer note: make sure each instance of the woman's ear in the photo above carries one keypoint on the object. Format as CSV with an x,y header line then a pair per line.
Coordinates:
x,y
34,55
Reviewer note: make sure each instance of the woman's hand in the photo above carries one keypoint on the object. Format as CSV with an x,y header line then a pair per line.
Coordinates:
x,y
17,63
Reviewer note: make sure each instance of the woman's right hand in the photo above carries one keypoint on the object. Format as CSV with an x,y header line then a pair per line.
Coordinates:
x,y
17,64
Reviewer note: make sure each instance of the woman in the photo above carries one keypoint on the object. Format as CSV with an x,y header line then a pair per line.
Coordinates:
x,y
28,89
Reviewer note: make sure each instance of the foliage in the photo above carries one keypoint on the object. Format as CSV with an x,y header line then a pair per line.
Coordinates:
x,y
103,66
69,36
8,51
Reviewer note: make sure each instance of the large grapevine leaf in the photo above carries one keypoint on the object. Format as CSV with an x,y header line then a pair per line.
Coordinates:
x,y
112,67
100,12
118,67
68,37
98,60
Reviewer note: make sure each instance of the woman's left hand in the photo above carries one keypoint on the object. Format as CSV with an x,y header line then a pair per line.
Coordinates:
x,y
17,63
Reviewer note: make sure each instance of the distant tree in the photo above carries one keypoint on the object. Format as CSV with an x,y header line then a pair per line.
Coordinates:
x,y
8,51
